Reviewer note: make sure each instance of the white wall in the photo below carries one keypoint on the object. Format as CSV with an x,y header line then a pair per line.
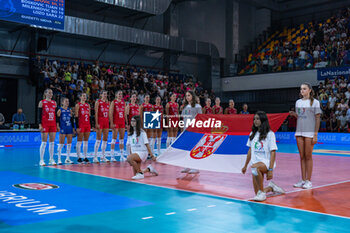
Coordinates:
x,y
269,81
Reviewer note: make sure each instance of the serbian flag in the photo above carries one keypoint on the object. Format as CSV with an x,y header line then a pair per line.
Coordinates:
x,y
221,147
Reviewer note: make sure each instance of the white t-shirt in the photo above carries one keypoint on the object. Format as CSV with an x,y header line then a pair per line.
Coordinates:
x,y
306,117
190,113
261,150
138,143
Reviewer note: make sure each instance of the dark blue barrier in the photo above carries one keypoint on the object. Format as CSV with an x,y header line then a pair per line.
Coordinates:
x,y
326,138
27,138
30,138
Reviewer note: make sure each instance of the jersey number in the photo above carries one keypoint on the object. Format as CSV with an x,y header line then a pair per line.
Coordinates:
x,y
51,116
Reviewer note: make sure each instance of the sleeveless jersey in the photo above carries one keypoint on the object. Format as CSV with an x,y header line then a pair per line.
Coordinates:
x,y
173,109
119,110
134,110
48,112
84,114
65,118
217,110
103,109
147,107
158,107
231,110
208,110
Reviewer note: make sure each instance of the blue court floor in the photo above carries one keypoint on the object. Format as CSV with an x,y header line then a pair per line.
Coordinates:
x,y
88,203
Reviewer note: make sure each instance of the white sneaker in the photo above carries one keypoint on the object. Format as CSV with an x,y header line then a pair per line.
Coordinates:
x,y
193,171
185,170
307,185
42,163
59,162
105,160
113,159
260,196
52,162
276,188
95,160
152,170
68,161
299,184
138,176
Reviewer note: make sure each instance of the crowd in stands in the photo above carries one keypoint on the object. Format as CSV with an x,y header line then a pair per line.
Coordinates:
x,y
70,79
314,45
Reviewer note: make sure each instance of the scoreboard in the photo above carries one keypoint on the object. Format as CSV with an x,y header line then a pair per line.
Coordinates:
x,y
45,13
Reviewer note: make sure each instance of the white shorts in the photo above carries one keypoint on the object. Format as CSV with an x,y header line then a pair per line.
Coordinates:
x,y
143,155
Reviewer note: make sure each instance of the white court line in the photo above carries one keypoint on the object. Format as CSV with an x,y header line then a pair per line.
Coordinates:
x,y
194,209
171,213
217,196
144,218
210,206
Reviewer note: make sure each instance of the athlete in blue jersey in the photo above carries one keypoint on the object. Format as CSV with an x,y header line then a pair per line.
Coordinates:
x,y
65,124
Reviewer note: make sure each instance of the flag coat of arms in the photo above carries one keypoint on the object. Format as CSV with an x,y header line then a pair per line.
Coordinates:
x,y
221,149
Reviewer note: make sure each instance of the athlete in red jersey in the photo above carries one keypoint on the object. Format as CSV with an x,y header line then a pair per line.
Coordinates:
x,y
217,109
132,109
82,119
157,133
207,108
172,113
146,106
117,120
47,125
231,108
102,125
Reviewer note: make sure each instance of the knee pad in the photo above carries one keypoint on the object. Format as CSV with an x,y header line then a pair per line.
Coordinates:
x,y
254,171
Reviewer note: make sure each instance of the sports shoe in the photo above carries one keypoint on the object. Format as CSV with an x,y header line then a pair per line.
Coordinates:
x,y
95,160
86,161
113,159
152,170
307,185
299,184
276,188
80,160
260,196
52,162
42,163
138,176
59,162
185,170
105,160
68,161
193,171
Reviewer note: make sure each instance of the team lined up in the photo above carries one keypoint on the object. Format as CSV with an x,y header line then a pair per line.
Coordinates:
x,y
115,115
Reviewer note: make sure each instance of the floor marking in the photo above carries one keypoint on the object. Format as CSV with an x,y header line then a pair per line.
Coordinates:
x,y
210,206
210,195
194,209
144,218
229,203
171,213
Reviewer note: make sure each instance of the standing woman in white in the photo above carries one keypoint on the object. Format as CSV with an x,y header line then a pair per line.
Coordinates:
x,y
308,112
189,113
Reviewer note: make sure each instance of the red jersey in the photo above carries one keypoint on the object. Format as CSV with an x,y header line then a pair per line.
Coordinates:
x,y
84,114
48,112
208,110
173,109
147,107
103,109
158,108
231,110
134,110
217,110
119,111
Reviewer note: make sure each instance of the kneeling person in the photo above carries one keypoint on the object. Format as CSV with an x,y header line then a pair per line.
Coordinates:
x,y
138,149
